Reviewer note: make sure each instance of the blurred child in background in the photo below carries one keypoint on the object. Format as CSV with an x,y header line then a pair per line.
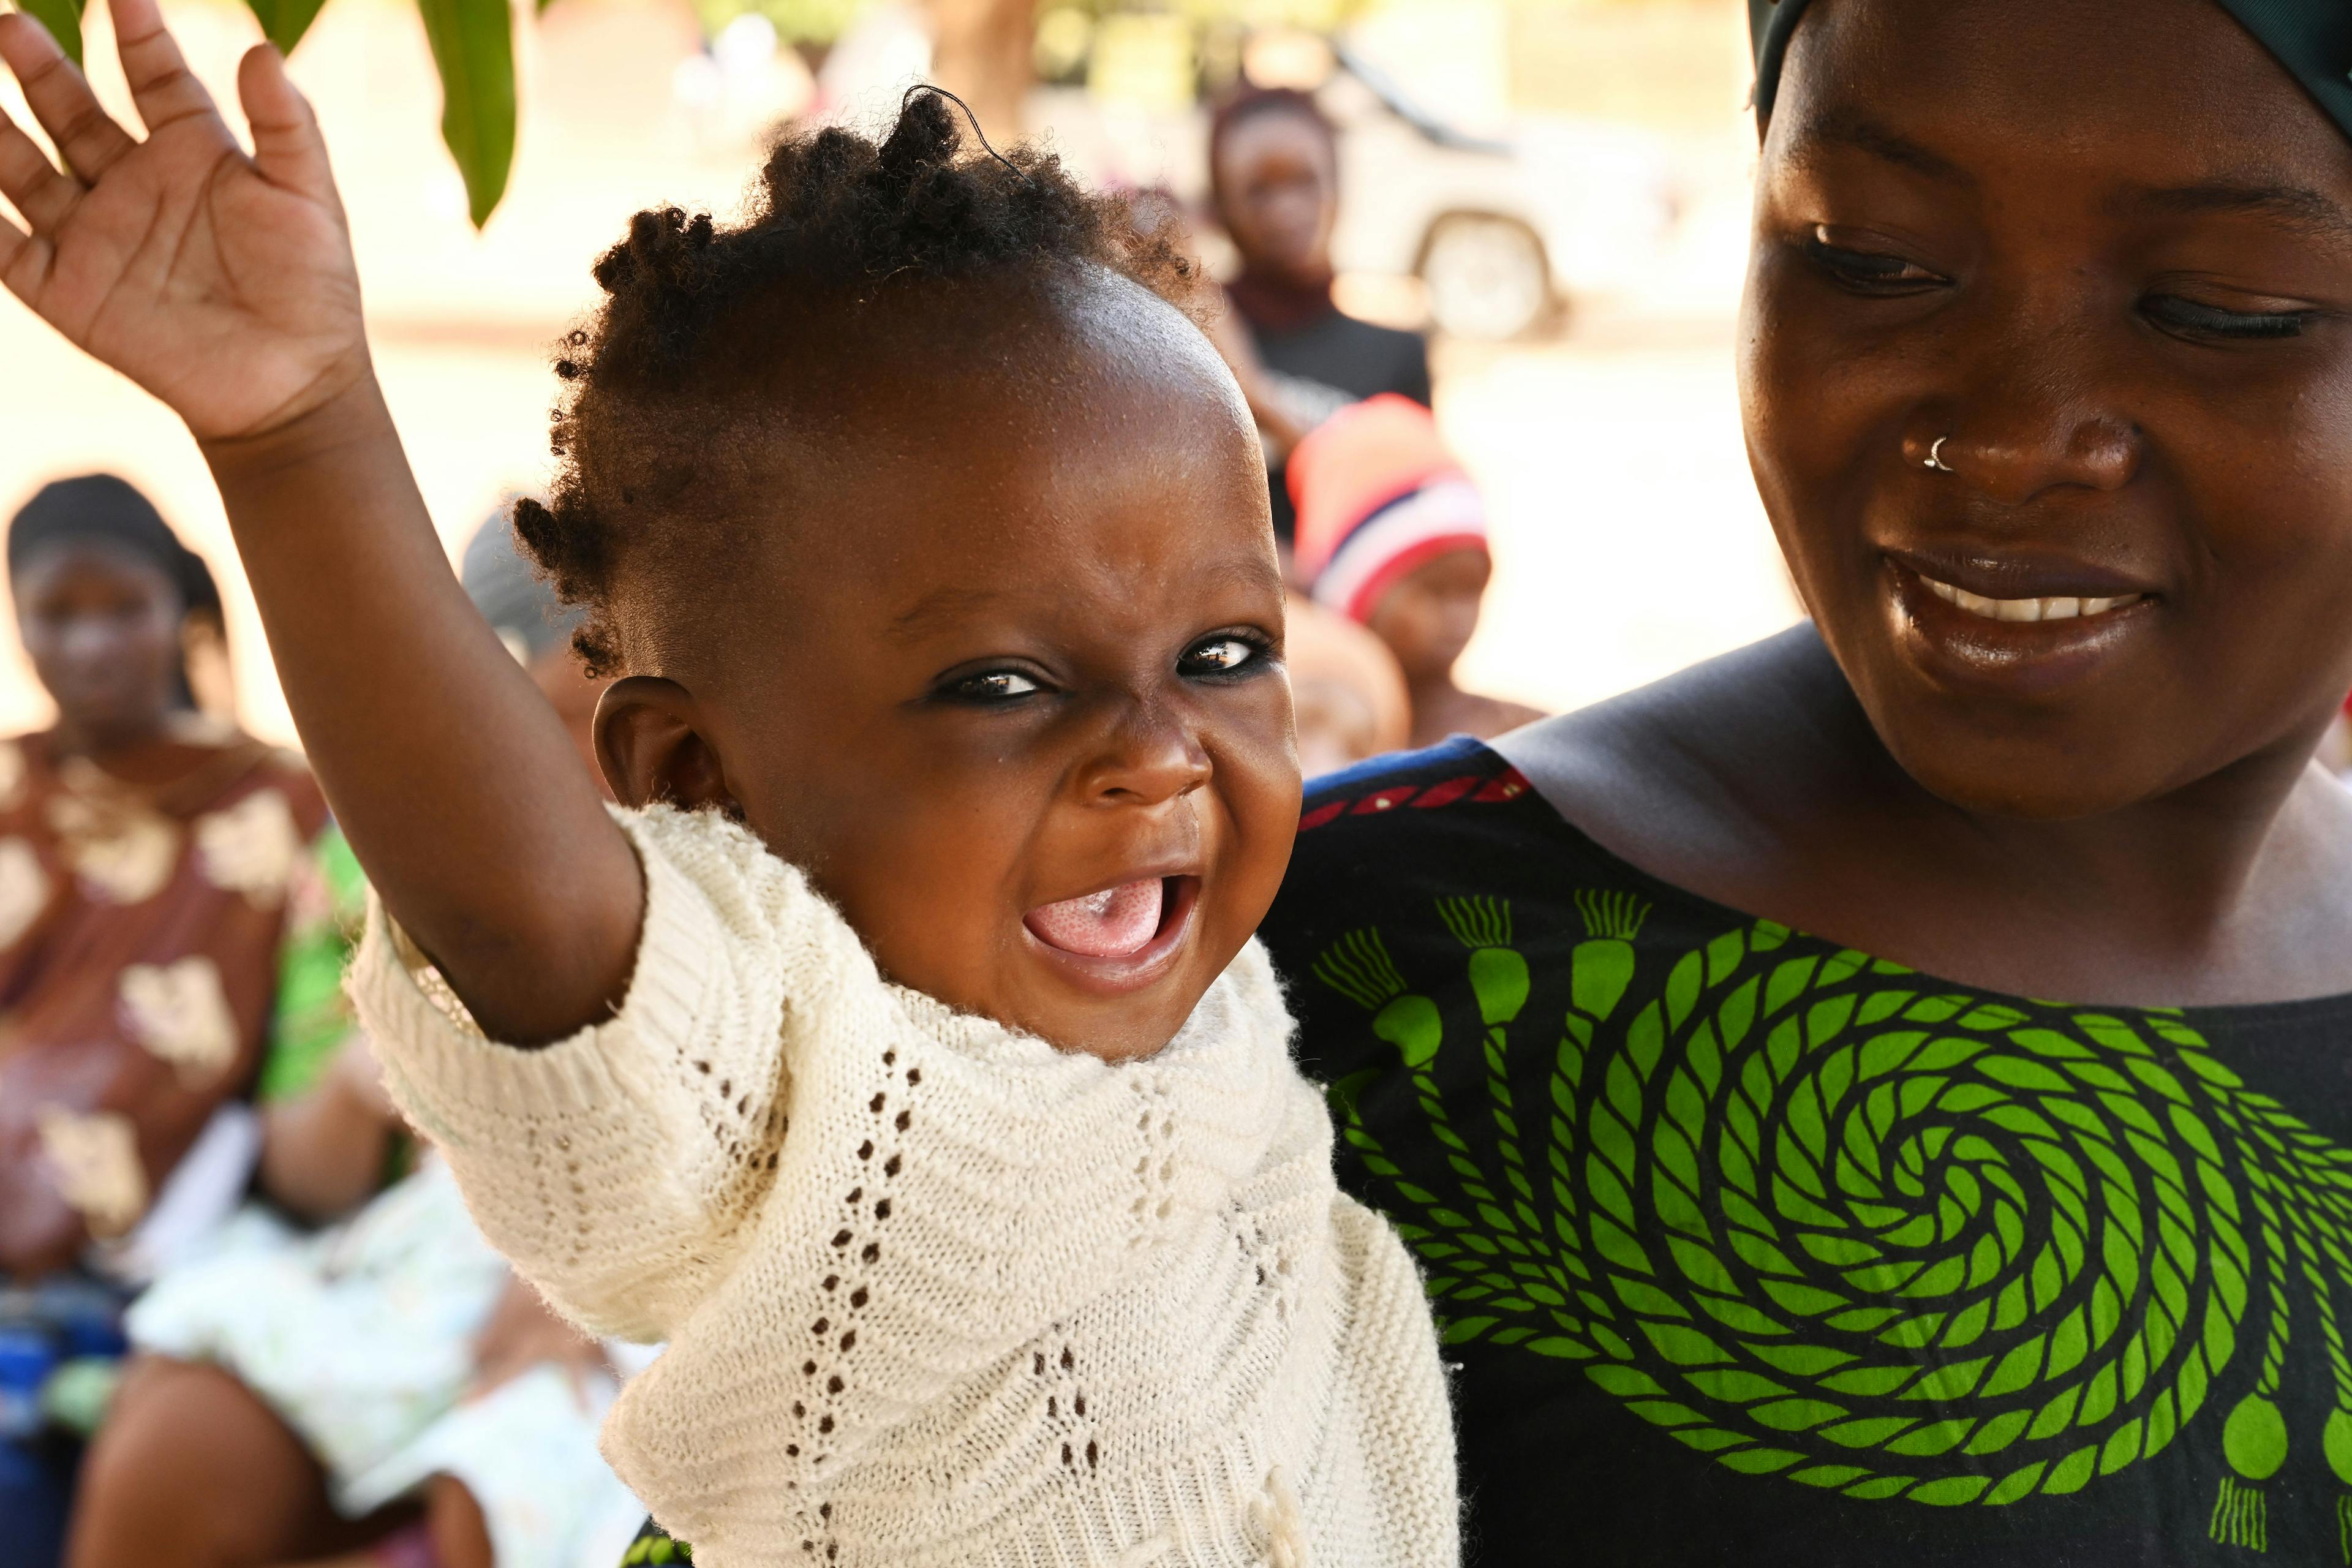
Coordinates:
x,y
1393,534
1347,688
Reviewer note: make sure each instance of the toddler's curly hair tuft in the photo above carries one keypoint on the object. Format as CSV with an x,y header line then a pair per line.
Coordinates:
x,y
837,222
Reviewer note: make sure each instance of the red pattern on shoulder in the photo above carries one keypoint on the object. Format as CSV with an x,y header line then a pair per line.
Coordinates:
x,y
1507,786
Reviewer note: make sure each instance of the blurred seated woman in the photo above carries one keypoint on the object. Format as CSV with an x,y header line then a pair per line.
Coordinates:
x,y
147,852
381,1392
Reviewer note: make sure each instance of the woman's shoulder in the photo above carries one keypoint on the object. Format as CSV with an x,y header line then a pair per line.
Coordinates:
x,y
1708,777
1453,820
1683,794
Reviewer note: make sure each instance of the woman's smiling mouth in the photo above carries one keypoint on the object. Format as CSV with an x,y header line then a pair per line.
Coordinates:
x,y
2047,623
2056,608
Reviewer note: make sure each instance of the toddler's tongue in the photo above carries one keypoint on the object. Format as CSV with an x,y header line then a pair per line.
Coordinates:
x,y
1109,925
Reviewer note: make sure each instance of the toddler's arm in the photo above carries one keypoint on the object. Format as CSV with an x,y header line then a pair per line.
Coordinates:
x,y
224,285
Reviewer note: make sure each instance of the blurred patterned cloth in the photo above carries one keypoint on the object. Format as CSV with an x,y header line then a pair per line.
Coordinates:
x,y
142,930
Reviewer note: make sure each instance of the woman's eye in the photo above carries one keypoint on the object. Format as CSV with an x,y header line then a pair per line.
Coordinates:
x,y
1219,656
2188,318
1869,270
993,686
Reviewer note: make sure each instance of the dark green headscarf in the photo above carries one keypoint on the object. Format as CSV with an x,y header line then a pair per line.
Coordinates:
x,y
2313,38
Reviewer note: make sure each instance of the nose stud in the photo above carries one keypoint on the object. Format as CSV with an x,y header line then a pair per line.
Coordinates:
x,y
1935,460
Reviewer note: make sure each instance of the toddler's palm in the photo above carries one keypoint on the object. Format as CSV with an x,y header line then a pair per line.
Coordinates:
x,y
222,284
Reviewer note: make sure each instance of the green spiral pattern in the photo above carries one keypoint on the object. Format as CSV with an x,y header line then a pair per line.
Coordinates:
x,y
1820,1221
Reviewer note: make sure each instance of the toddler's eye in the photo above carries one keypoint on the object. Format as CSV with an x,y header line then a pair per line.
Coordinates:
x,y
1219,656
993,686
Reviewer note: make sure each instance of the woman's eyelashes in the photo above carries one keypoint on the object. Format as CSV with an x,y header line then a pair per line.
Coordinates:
x,y
2194,320
1880,273
1867,271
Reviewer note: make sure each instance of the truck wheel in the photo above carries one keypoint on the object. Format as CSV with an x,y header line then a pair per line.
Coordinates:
x,y
1487,276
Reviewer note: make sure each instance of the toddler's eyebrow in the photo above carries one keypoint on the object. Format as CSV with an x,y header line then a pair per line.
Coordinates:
x,y
950,602
939,605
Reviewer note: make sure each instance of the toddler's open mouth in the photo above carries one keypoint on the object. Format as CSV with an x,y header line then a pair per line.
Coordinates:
x,y
1120,936
1113,923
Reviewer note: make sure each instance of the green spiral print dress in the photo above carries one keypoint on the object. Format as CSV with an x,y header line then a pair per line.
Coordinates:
x,y
1752,1249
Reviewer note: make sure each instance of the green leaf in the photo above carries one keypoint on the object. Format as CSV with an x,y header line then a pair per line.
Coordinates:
x,y
1796,1415
285,21
473,48
1950,1491
1465,1330
62,18
1761,1461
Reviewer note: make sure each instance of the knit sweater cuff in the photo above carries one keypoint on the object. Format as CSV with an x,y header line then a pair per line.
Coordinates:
x,y
614,1167
461,1088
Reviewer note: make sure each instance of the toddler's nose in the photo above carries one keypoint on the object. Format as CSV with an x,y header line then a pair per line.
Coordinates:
x,y
1150,758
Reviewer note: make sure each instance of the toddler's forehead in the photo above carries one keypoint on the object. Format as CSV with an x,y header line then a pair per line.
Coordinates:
x,y
998,446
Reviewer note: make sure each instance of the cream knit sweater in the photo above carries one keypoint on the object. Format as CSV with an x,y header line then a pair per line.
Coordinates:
x,y
985,1302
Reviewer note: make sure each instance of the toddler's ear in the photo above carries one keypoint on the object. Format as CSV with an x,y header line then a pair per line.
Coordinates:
x,y
650,744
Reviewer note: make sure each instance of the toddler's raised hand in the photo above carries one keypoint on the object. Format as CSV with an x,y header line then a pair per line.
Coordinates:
x,y
221,283
224,284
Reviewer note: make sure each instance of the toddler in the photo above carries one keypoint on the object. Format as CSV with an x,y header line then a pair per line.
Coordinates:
x,y
897,1052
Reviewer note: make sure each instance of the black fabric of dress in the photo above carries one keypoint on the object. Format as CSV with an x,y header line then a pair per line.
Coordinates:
x,y
1750,1249
1331,360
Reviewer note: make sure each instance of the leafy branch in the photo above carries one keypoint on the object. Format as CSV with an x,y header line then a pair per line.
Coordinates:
x,y
473,49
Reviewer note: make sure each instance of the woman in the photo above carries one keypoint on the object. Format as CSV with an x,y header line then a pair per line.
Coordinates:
x,y
1274,178
146,856
381,1392
1843,1248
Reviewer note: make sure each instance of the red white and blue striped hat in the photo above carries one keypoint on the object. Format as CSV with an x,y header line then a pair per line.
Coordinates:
x,y
1378,495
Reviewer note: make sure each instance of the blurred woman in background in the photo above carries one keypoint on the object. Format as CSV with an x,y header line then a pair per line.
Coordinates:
x,y
1274,181
149,855
380,1391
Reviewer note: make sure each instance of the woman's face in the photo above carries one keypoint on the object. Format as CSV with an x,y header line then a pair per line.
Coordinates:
x,y
102,628
2103,251
1278,193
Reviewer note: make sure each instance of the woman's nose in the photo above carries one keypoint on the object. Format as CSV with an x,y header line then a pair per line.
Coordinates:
x,y
2021,452
2037,408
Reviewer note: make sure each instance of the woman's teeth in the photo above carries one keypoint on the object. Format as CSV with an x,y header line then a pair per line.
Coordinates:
x,y
2026,609
1113,923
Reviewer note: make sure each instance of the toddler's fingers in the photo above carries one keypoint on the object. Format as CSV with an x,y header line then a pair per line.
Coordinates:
x,y
24,261
31,182
86,135
161,83
286,140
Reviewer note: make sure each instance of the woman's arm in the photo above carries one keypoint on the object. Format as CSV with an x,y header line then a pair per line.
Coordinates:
x,y
225,284
323,1151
